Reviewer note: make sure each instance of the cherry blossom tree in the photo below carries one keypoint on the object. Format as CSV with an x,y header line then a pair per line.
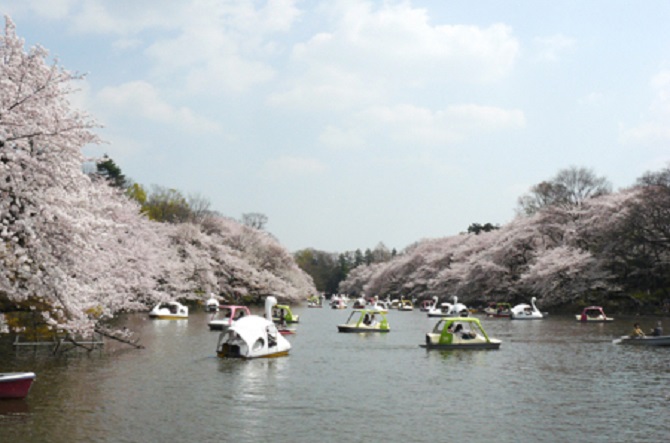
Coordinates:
x,y
78,251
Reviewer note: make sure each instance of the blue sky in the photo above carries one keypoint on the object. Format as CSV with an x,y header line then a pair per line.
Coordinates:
x,y
350,123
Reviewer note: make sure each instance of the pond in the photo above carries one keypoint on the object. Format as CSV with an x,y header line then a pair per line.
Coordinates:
x,y
552,380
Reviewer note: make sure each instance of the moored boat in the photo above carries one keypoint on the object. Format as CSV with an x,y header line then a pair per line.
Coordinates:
x,y
365,320
459,333
593,314
15,384
171,310
405,305
227,316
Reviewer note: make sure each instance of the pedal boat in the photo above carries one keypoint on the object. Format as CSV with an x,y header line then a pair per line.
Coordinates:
x,y
227,316
15,384
405,305
365,320
448,310
171,310
593,314
283,312
212,304
470,335
525,311
315,302
253,336
500,309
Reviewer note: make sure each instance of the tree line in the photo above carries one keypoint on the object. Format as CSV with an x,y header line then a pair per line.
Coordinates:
x,y
573,242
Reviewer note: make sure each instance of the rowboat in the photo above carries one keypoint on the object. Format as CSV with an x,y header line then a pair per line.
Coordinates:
x,y
15,384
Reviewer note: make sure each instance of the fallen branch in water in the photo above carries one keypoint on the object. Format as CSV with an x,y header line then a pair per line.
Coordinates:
x,y
123,339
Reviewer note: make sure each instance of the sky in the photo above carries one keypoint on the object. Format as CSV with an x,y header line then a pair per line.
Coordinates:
x,y
352,123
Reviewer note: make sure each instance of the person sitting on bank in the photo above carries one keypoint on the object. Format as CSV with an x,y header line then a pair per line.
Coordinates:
x,y
637,332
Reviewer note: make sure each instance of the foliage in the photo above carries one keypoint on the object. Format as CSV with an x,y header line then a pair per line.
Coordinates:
x,y
328,270
570,187
110,170
590,245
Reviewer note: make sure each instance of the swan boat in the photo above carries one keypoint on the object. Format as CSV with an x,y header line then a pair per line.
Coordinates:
x,y
171,310
525,311
593,314
15,384
338,303
379,306
253,336
426,305
459,333
359,303
227,316
500,309
212,304
365,320
449,310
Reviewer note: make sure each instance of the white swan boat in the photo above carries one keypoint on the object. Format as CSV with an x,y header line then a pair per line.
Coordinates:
x,y
227,316
365,320
171,310
459,333
212,304
338,303
253,336
593,314
449,310
525,311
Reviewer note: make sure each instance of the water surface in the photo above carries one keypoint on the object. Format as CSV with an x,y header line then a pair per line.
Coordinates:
x,y
551,380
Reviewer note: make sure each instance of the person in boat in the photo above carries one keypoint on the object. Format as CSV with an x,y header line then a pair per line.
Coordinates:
x,y
658,330
637,332
367,320
272,338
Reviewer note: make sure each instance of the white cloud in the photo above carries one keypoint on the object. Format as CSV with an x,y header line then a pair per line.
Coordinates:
x,y
51,9
292,167
553,48
416,125
372,50
341,139
654,130
142,99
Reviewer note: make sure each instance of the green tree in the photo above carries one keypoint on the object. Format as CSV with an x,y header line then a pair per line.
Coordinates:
x,y
167,205
476,228
112,172
137,193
